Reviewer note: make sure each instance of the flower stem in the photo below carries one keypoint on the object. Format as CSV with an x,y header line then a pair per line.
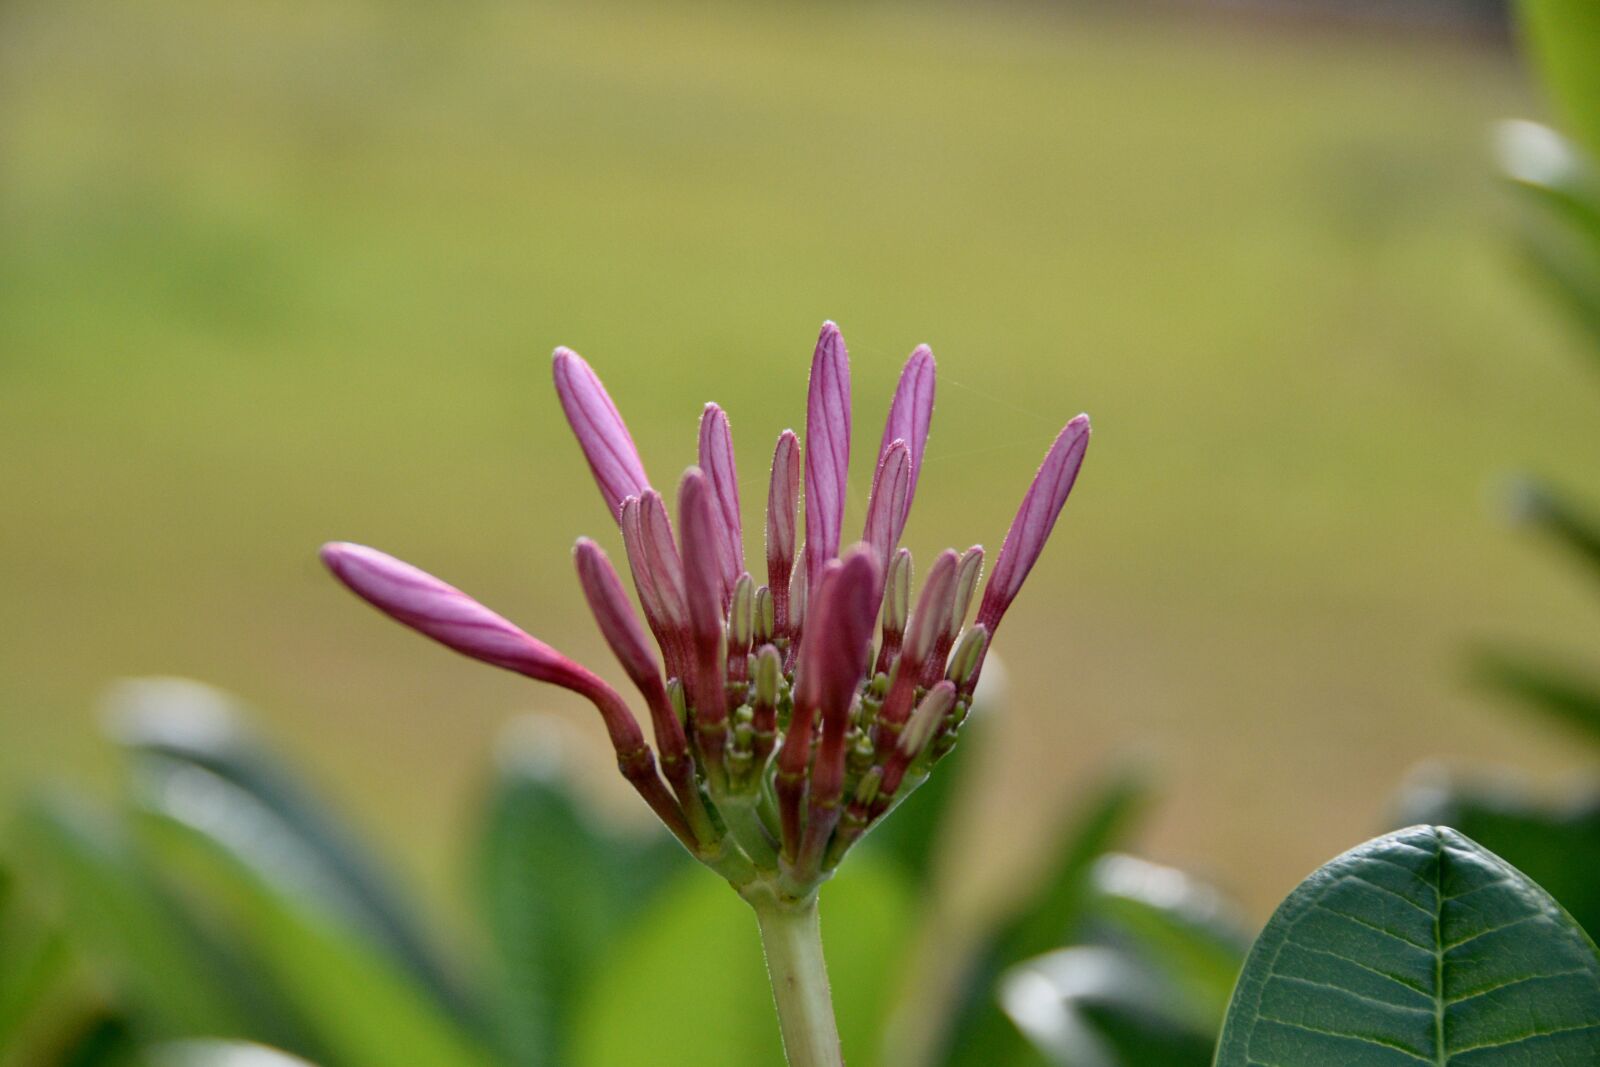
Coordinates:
x,y
792,937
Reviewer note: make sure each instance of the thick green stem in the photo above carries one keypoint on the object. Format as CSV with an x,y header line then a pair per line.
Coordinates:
x,y
792,937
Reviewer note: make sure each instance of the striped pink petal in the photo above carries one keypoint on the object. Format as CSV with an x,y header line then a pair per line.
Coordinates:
x,y
911,416
782,500
618,624
661,556
601,433
1035,519
702,582
886,507
833,653
716,459
827,448
932,613
452,618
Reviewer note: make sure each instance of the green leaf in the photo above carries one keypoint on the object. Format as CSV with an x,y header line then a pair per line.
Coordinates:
x,y
1417,948
555,890
1574,528
175,719
34,959
122,917
688,988
244,864
1180,927
1101,1007
1564,38
978,1033
1557,845
1558,691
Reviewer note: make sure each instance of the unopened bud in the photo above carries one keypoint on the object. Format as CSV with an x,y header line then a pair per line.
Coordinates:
x,y
897,594
968,656
797,599
741,614
968,571
765,616
680,702
926,719
867,789
769,675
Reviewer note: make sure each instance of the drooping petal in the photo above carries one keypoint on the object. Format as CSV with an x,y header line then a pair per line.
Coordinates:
x,y
452,618
601,433
782,501
1035,519
886,506
827,448
911,416
716,459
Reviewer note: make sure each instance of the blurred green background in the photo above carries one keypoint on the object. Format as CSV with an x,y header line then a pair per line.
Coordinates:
x,y
276,273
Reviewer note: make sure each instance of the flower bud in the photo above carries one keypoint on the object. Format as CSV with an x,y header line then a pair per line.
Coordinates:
x,y
769,675
968,656
741,616
764,616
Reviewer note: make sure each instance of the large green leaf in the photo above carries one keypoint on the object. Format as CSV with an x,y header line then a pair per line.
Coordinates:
x,y
1555,844
1417,948
240,861
555,890
1095,1006
175,719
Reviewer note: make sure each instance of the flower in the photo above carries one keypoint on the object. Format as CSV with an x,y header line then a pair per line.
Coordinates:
x,y
781,737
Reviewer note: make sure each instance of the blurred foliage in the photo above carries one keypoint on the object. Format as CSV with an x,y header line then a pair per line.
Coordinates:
x,y
221,900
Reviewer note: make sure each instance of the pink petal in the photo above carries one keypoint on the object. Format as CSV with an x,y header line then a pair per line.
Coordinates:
x,y
833,653
782,500
446,614
661,555
702,581
827,448
716,459
601,433
619,625
886,507
932,613
911,416
1035,519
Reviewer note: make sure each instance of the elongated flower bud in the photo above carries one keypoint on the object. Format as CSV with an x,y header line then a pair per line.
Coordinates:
x,y
783,501
968,657
741,617
765,616
618,624
967,576
911,416
702,578
620,627
1035,519
886,506
925,720
926,625
657,575
827,448
833,662
601,433
455,620
716,459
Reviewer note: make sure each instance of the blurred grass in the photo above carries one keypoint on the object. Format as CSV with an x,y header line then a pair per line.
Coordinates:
x,y
272,274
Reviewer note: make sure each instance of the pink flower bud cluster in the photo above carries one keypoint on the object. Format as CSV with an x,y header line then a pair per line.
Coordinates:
x,y
827,682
